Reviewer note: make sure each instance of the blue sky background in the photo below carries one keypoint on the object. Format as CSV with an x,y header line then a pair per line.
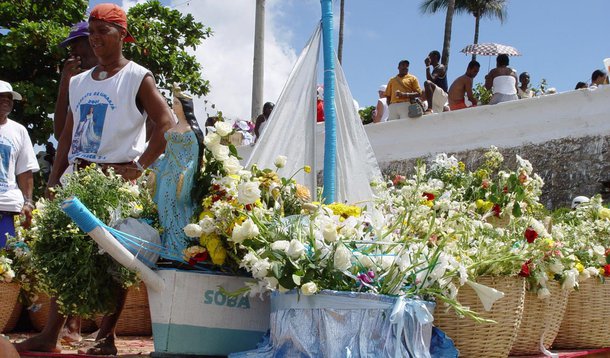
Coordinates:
x,y
562,41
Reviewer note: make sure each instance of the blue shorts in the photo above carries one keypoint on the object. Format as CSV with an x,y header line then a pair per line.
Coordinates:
x,y
7,226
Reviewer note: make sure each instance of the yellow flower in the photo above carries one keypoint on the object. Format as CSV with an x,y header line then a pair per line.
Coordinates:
x,y
205,238
461,166
204,214
549,243
601,271
303,193
269,177
344,210
307,169
604,213
579,267
428,203
217,252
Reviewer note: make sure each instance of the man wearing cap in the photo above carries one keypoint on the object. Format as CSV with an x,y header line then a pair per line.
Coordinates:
x,y
81,58
108,108
17,163
381,111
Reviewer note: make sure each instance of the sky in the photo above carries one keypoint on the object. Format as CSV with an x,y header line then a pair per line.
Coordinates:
x,y
560,41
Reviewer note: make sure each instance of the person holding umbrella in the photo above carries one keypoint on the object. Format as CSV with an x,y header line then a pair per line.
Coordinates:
x,y
502,80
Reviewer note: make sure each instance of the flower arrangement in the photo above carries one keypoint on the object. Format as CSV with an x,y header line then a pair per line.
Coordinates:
x,y
69,265
6,272
221,221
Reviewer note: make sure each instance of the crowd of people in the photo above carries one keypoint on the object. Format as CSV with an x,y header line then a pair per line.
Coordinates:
x,y
404,97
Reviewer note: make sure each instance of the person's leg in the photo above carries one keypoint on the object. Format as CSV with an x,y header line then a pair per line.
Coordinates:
x,y
429,88
7,350
106,335
7,226
46,341
393,112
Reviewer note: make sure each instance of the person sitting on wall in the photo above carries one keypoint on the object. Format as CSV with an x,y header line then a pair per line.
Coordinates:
x,y
502,80
598,78
401,91
462,87
581,85
524,91
435,86
381,110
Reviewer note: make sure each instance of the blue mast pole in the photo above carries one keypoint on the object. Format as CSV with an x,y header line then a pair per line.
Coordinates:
x,y
330,113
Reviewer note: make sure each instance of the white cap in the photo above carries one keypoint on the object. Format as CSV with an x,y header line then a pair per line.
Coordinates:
x,y
579,200
382,88
6,87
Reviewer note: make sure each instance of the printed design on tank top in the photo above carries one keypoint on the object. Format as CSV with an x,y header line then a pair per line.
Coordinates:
x,y
92,113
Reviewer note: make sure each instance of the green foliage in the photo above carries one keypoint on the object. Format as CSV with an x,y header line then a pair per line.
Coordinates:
x,y
482,94
367,114
69,265
30,31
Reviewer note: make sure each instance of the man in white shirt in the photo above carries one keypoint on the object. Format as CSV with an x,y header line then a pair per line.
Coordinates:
x,y
17,163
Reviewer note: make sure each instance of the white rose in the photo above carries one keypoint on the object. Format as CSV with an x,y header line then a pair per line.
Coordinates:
x,y
571,279
556,266
309,288
207,224
220,152
342,259
232,166
223,128
280,161
9,275
211,139
280,245
193,230
296,249
260,269
246,230
248,192
593,271
329,232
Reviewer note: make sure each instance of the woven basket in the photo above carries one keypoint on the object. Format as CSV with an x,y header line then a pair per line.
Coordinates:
x,y
40,317
587,317
9,295
488,340
540,317
14,318
135,317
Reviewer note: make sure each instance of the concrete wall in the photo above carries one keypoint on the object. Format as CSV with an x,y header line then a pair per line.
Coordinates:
x,y
565,136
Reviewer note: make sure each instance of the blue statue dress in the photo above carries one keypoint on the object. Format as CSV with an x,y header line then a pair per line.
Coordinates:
x,y
175,172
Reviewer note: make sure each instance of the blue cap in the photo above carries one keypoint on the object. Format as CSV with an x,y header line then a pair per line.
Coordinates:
x,y
80,29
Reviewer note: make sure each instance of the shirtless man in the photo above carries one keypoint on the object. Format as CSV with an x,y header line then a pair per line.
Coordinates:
x,y
462,86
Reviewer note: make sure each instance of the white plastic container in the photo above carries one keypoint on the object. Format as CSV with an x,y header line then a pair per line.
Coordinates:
x,y
193,316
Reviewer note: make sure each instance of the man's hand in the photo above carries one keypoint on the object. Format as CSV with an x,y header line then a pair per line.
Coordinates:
x,y
26,214
128,171
427,61
71,67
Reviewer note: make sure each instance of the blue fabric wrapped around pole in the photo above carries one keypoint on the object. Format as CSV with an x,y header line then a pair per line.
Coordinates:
x,y
330,113
348,324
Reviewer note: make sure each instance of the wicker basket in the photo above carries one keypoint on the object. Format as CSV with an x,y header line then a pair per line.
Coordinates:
x,y
135,317
587,315
14,318
9,295
477,340
40,317
540,317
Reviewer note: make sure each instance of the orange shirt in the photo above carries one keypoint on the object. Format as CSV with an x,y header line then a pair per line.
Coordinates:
x,y
407,83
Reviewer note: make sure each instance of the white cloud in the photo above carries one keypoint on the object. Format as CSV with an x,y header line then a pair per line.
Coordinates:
x,y
226,57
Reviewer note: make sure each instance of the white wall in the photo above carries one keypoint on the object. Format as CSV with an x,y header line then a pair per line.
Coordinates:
x,y
510,124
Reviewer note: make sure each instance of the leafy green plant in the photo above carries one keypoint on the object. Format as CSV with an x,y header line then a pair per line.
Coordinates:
x,y
367,114
482,94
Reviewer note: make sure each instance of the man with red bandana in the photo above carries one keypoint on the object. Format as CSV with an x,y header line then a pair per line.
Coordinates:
x,y
106,124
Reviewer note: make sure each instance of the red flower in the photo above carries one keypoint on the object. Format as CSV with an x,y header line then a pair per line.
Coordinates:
x,y
398,179
606,270
497,210
522,178
607,252
485,184
202,256
505,189
525,269
429,196
530,234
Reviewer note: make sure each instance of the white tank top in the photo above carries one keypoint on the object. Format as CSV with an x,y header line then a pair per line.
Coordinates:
x,y
505,85
108,127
